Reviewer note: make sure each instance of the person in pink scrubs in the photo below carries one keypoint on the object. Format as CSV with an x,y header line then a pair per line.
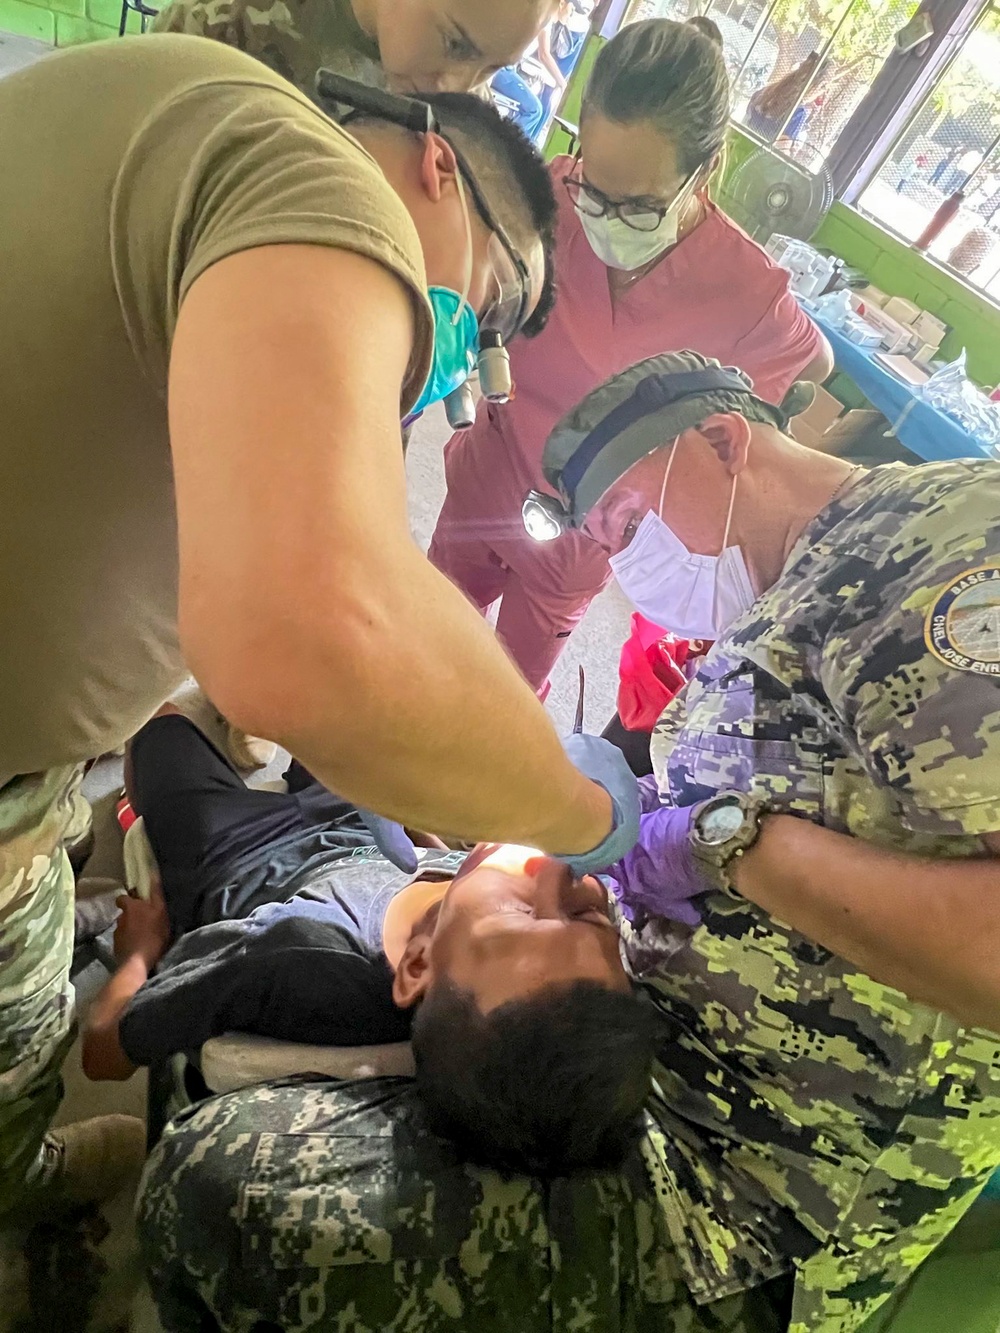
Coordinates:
x,y
645,263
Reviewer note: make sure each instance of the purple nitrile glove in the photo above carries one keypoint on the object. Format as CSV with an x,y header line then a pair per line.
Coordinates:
x,y
659,876
649,794
392,840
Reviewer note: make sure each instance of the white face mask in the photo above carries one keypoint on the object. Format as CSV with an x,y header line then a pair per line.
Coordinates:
x,y
695,596
622,247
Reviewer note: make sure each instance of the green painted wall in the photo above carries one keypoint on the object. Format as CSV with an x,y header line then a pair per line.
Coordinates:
x,y
895,268
64,22
888,263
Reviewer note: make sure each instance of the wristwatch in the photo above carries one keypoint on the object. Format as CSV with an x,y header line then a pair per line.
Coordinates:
x,y
722,829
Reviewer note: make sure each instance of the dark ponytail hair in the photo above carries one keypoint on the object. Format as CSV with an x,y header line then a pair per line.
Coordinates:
x,y
670,74
707,27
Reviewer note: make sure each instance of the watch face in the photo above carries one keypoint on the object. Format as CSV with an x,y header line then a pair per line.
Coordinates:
x,y
720,823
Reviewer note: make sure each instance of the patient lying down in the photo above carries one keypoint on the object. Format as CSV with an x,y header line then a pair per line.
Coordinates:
x,y
279,917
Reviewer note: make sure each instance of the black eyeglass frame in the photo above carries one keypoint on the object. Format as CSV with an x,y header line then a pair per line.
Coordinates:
x,y
612,208
413,114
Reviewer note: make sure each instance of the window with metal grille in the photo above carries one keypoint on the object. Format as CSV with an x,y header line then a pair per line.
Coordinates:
x,y
799,67
947,162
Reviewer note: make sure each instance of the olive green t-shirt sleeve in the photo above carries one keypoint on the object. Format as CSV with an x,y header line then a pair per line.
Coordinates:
x,y
226,165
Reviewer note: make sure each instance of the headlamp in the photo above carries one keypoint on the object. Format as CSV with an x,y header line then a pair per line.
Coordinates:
x,y
544,516
627,417
493,363
460,407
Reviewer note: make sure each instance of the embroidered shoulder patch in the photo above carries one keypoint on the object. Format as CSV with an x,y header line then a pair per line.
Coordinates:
x,y
963,624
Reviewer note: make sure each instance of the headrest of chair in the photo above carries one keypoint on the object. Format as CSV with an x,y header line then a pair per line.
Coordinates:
x,y
237,1060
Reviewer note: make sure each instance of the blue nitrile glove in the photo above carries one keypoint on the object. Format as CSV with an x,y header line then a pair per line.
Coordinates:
x,y
660,876
605,764
392,841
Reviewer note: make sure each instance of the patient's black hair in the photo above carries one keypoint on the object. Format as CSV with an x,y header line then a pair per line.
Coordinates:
x,y
545,1085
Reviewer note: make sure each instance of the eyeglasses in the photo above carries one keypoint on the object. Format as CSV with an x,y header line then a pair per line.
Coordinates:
x,y
637,214
511,301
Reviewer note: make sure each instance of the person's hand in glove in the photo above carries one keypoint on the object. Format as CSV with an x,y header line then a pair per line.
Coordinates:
x,y
605,764
392,840
660,876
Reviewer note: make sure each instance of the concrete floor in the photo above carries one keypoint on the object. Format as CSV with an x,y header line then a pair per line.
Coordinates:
x,y
16,52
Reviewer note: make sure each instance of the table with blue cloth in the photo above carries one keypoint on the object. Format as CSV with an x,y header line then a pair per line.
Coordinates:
x,y
926,432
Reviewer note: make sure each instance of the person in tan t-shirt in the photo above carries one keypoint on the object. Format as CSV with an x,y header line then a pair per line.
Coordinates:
x,y
406,45
217,313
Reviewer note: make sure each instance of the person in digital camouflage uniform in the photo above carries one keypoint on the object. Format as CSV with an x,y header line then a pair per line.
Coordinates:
x,y
407,45
827,1098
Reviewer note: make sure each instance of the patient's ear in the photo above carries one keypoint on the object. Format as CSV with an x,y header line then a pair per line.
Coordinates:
x,y
414,973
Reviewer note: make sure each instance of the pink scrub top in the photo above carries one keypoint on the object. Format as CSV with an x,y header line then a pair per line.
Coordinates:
x,y
716,292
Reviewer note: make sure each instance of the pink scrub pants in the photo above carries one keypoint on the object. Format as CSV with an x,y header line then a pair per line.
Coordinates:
x,y
481,545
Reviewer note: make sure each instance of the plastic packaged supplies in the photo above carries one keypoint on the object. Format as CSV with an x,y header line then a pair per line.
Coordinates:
x,y
951,391
835,308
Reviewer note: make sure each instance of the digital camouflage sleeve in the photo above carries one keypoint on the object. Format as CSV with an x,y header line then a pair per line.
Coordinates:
x,y
294,39
330,1206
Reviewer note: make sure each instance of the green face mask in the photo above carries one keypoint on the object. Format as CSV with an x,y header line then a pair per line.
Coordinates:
x,y
456,329
456,342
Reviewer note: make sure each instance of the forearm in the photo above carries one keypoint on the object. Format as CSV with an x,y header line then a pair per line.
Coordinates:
x,y
821,367
103,1056
547,59
930,928
399,697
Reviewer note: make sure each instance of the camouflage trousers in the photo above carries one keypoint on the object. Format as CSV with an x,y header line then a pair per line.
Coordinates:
x,y
37,813
323,1206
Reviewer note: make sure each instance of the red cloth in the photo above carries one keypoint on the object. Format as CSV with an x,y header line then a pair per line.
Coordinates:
x,y
649,673
126,815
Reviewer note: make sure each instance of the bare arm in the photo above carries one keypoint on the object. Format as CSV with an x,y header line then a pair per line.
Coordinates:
x,y
103,1056
307,612
141,939
930,928
547,59
820,367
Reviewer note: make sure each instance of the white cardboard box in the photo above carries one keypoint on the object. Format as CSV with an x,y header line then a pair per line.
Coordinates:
x,y
872,296
896,337
929,329
903,311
